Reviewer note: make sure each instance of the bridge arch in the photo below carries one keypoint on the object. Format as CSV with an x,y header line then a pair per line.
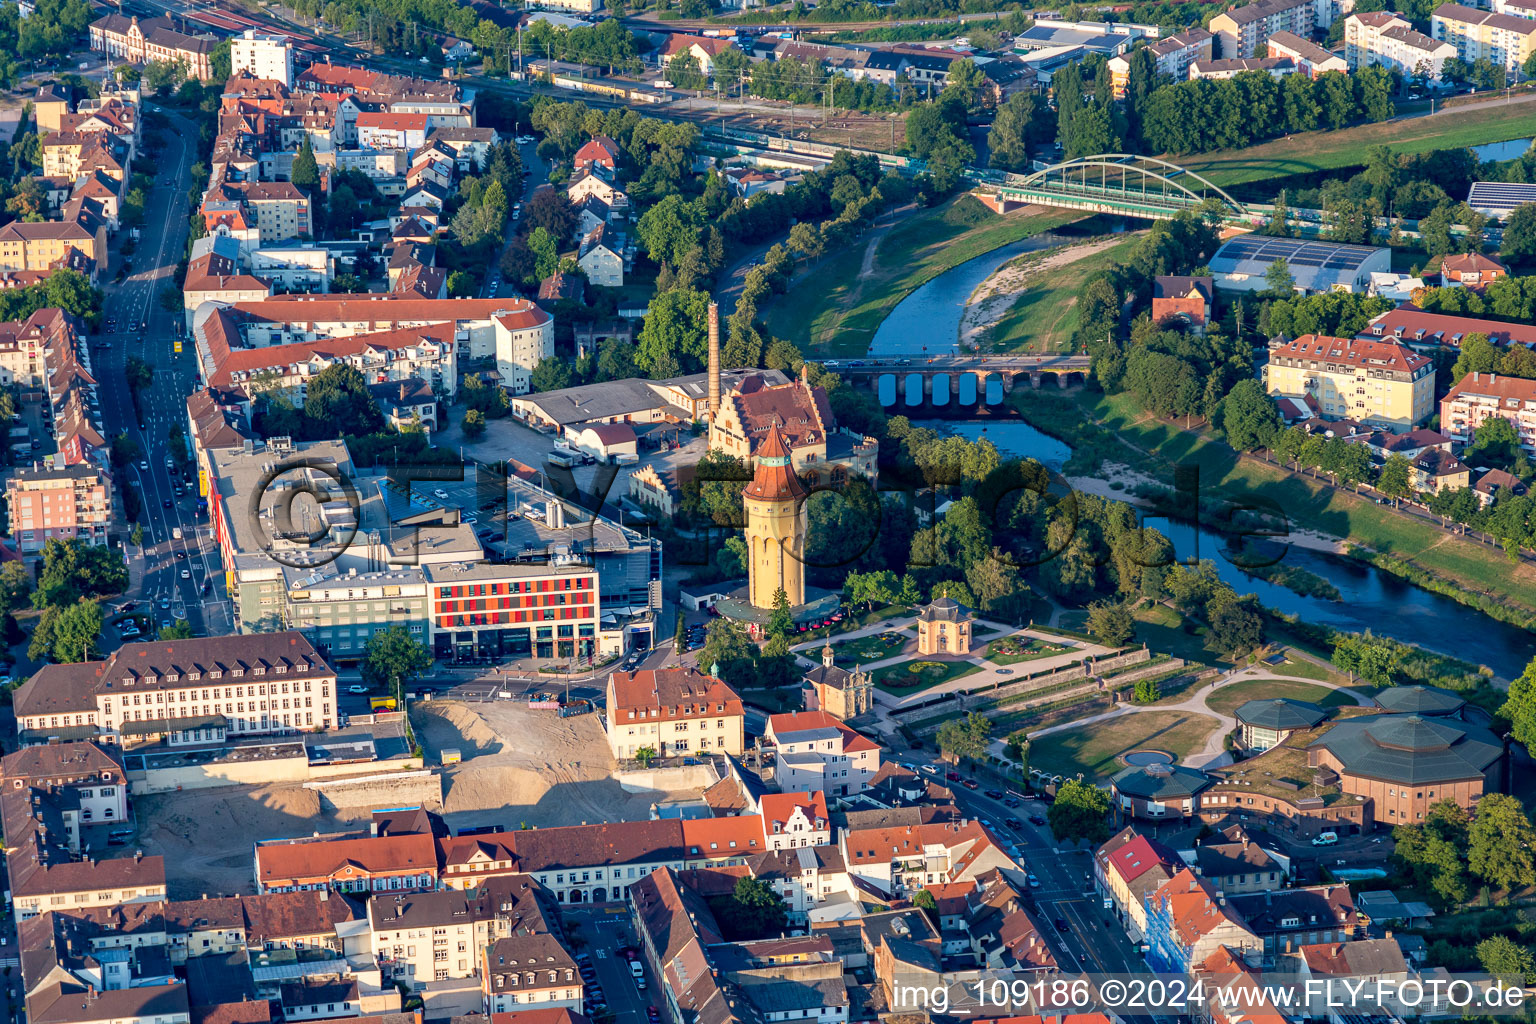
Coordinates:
x,y
1163,172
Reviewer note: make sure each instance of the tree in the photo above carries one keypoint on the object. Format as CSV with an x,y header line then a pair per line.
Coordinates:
x,y
337,401
75,632
1520,707
392,658
474,423
1080,813
1396,480
1237,623
752,911
1017,748
779,625
924,901
1433,855
1249,417
1502,957
73,569
1500,843
673,337
963,738
645,755
181,629
551,374
1146,691
1519,241
306,172
1018,125
1278,278
726,644
15,586
1111,622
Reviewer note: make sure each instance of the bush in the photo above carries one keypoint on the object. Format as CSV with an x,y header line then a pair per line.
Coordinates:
x,y
969,211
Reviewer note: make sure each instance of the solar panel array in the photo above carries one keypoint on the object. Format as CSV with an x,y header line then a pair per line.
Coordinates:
x,y
1500,195
1296,252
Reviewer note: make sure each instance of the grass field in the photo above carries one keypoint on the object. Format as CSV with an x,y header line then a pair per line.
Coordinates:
x,y
835,310
1227,699
1095,749
903,679
1045,317
867,649
1306,670
1305,504
1162,628
1471,125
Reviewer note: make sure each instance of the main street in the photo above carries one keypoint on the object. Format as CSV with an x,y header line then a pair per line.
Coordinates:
x,y
177,576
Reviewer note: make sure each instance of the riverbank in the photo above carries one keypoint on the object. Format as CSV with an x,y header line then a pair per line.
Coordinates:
x,y
1104,429
1030,305
835,311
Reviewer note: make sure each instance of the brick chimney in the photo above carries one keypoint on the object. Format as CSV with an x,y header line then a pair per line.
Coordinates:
x,y
714,359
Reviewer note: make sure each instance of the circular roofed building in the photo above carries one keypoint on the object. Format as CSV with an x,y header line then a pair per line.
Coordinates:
x,y
1406,763
1420,700
1262,724
1157,792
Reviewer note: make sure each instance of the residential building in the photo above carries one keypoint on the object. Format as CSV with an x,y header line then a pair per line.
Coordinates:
x,y
900,860
601,257
385,130
805,877
1235,864
674,712
185,691
471,147
525,337
822,453
58,502
494,610
1173,56
347,864
1244,31
153,39
1188,921
599,152
1229,67
267,57
599,863
1470,270
279,210
1268,722
1435,470
339,613
793,820
421,937
1308,58
703,49
724,842
217,276
46,245
1506,40
1495,482
1244,261
88,775
1381,383
815,751
1390,40
1418,329
305,267
1290,918
529,971
1185,299
590,184
1481,396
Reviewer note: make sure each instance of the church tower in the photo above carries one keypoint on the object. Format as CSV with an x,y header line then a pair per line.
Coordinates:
x,y
775,506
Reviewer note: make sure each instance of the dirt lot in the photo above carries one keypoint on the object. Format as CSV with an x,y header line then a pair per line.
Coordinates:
x,y
207,836
526,766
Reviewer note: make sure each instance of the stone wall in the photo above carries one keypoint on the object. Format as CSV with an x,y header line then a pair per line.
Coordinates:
x,y
400,789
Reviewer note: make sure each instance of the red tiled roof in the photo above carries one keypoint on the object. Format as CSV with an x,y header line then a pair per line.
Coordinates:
x,y
1493,385
229,361
1136,858
395,122
1410,323
802,721
780,807
724,837
521,315
679,43
671,691
1353,352
306,863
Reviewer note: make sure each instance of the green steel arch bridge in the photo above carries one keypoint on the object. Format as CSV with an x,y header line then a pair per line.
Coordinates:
x,y
1120,183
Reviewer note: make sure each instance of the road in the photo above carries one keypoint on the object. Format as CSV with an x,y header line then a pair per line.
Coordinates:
x,y
171,573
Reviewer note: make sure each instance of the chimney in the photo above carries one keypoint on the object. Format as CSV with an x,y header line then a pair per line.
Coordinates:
x,y
714,359
404,391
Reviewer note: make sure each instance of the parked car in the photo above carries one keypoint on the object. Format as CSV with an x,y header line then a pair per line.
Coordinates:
x,y
357,688
1035,819
952,776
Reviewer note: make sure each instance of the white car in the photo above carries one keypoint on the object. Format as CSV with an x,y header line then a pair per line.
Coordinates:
x,y
186,574
440,495
357,688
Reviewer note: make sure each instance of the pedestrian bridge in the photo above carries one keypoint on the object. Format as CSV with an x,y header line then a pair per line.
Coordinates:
x,y
1117,183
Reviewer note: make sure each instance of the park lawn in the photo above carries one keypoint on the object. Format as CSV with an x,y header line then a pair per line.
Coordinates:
x,y
1032,649
1227,699
1304,669
866,649
1095,748
1162,629
1044,318
902,680
1468,125
836,309
1305,504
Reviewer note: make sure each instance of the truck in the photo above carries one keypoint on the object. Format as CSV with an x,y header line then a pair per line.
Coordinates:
x,y
451,755
625,459
565,460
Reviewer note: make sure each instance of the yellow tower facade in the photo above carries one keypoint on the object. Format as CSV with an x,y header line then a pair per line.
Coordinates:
x,y
776,522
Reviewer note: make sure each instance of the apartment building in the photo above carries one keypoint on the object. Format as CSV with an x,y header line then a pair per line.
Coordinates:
x,y
66,502
674,712
421,937
1387,39
1307,57
795,820
527,972
1505,39
153,39
1128,868
88,774
279,210
1244,31
268,57
1478,397
1188,921
525,337
1172,56
347,864
69,154
1470,270
900,860
218,276
384,130
514,610
1381,383
45,245
815,751
184,691
24,346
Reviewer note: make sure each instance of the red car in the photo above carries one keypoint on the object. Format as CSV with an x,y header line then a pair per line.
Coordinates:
x,y
970,784
952,776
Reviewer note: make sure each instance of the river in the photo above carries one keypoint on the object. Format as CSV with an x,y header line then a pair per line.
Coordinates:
x,y
929,319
